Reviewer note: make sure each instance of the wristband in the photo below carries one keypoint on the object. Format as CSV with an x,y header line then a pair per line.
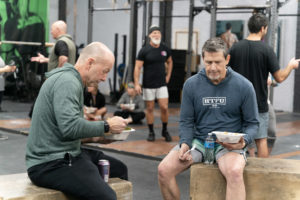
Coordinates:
x,y
245,144
106,126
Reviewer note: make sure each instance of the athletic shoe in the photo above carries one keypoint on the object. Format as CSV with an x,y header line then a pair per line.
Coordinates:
x,y
151,137
167,136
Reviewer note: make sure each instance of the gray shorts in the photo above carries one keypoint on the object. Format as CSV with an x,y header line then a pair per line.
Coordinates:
x,y
271,127
198,153
266,129
263,126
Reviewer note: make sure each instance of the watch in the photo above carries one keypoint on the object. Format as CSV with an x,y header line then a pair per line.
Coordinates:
x,y
106,126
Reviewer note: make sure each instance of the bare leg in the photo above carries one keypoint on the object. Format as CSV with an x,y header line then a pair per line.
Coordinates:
x,y
164,112
262,148
149,112
232,167
101,112
251,152
129,119
168,169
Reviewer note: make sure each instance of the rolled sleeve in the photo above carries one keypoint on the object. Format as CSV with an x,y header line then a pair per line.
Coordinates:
x,y
68,114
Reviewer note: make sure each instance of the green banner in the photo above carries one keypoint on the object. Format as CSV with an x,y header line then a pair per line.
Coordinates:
x,y
22,20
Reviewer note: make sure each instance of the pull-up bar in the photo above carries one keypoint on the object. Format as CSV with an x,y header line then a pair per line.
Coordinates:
x,y
243,7
47,44
111,9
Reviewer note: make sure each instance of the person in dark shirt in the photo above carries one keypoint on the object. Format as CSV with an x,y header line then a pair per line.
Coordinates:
x,y
95,103
254,59
157,62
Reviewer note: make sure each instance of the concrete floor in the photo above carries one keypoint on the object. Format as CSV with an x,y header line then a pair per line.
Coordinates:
x,y
141,157
142,169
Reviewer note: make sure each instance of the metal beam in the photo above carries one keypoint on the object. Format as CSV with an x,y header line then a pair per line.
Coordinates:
x,y
62,10
47,44
172,16
115,64
289,15
190,40
272,40
273,27
111,9
132,41
296,98
213,18
144,34
150,13
166,23
90,21
243,7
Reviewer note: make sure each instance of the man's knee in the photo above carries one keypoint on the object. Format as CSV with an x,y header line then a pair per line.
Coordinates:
x,y
167,170
164,108
107,194
234,174
123,172
161,169
119,170
150,109
164,171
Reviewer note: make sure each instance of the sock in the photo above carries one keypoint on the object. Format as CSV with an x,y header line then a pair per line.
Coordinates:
x,y
150,126
164,127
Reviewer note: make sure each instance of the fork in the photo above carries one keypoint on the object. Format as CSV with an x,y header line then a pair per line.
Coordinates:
x,y
188,151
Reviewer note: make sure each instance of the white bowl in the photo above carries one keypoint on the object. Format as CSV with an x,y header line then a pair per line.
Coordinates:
x,y
90,109
228,137
122,136
130,106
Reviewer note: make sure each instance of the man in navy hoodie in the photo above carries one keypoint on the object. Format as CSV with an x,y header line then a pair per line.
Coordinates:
x,y
215,99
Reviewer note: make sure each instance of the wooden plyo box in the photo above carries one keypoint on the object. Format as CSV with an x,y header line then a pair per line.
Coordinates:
x,y
265,179
19,187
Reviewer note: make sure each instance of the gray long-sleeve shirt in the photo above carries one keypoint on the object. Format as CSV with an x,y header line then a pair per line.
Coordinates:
x,y
229,106
137,100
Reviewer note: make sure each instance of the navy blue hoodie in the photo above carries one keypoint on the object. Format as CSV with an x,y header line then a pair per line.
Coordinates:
x,y
229,106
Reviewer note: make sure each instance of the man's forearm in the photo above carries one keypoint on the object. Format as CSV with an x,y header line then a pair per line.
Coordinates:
x,y
283,74
2,70
170,68
62,60
136,76
7,69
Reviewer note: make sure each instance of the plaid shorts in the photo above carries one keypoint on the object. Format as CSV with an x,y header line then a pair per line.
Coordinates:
x,y
219,151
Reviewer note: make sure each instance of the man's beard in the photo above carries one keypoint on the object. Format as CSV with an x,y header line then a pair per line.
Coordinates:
x,y
155,41
213,77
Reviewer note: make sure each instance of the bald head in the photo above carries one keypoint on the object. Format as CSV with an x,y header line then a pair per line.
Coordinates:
x,y
94,63
58,28
98,51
